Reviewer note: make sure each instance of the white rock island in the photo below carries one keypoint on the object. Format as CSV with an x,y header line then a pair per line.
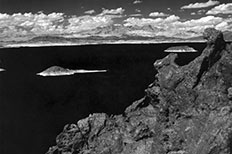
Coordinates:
x,y
180,49
60,71
2,70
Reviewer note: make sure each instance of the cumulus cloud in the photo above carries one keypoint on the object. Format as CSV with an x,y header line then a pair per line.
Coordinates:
x,y
223,26
30,24
136,15
221,9
137,1
160,26
84,23
158,14
201,11
200,5
113,11
149,21
137,10
90,12
3,16
193,13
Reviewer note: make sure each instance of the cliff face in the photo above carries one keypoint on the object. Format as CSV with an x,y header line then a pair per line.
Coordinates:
x,y
187,110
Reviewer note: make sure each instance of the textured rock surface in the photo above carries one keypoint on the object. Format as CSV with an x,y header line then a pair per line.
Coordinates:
x,y
187,110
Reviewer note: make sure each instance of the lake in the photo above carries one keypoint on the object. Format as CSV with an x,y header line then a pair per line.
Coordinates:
x,y
34,109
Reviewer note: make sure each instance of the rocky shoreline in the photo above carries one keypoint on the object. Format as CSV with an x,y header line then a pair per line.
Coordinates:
x,y
186,110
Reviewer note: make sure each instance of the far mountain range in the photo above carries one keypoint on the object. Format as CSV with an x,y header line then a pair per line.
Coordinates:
x,y
110,34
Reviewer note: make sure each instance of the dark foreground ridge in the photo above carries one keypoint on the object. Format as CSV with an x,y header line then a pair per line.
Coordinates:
x,y
187,110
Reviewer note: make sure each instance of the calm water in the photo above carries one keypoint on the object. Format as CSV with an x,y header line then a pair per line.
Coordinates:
x,y
34,109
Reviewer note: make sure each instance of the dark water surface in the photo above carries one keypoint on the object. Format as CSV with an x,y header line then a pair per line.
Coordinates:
x,y
34,109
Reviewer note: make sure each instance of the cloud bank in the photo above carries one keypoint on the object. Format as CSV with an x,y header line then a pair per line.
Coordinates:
x,y
110,22
221,9
172,26
137,2
136,15
200,5
28,24
113,11
158,14
23,26
90,12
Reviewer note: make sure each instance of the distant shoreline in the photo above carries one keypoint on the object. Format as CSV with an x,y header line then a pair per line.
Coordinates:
x,y
19,45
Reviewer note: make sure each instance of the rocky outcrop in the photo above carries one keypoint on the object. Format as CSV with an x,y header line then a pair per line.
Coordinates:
x,y
187,110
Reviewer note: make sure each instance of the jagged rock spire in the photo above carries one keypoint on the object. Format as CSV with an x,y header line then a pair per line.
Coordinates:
x,y
213,36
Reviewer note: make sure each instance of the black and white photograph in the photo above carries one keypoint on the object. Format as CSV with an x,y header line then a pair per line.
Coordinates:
x,y
115,77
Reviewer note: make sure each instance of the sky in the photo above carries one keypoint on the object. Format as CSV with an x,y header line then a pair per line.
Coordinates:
x,y
81,18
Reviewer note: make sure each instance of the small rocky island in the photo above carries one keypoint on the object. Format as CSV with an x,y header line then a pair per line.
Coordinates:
x,y
60,71
186,110
180,49
1,70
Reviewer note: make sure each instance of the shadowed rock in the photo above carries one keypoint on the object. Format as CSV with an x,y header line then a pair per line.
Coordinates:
x,y
186,110
213,36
